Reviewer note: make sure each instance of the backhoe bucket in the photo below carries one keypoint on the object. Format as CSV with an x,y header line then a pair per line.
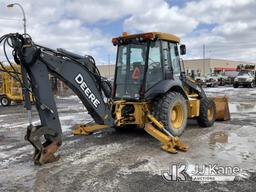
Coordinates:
x,y
222,109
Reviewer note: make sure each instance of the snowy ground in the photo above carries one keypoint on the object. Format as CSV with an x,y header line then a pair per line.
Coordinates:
x,y
129,161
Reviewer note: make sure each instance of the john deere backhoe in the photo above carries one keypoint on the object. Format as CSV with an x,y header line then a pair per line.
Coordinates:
x,y
150,90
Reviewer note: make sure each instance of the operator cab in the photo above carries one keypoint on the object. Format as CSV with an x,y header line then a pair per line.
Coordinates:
x,y
144,60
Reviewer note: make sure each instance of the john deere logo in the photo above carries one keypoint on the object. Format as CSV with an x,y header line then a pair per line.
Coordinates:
x,y
87,91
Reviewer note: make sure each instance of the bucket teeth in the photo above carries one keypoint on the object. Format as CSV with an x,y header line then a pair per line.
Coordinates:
x,y
44,153
47,154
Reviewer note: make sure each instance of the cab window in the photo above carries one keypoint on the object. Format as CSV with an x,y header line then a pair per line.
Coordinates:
x,y
154,72
174,54
130,69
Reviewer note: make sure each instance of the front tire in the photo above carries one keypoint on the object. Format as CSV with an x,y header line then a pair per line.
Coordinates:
x,y
5,101
252,85
171,110
207,114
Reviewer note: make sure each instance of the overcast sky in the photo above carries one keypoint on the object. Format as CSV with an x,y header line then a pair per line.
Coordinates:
x,y
226,27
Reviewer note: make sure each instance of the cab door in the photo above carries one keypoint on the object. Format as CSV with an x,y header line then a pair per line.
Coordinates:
x,y
154,66
171,61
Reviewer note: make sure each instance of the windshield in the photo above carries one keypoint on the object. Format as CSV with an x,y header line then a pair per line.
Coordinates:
x,y
130,70
244,73
231,73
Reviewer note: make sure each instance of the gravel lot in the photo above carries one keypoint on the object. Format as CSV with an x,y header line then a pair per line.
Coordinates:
x,y
129,161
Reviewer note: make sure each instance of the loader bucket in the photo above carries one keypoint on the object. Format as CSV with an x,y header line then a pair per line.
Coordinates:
x,y
222,109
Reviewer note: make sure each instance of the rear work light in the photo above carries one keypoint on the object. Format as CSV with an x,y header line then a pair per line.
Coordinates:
x,y
115,41
126,40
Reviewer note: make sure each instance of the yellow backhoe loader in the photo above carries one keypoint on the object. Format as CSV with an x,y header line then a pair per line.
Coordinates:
x,y
150,90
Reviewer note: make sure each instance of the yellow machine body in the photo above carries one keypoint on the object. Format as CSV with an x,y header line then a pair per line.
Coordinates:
x,y
159,35
141,109
221,103
9,86
137,115
139,112
141,117
222,109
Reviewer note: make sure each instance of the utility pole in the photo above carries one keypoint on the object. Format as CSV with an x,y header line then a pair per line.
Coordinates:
x,y
109,65
204,59
23,13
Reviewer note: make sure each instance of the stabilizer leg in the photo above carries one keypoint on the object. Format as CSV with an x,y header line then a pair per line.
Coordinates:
x,y
170,143
87,129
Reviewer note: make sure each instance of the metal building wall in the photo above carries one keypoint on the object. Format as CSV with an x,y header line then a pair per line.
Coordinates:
x,y
206,66
107,70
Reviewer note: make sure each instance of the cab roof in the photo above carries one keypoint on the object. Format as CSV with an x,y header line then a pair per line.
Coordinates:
x,y
155,35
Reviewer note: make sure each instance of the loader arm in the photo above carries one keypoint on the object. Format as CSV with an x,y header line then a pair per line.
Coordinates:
x,y
79,73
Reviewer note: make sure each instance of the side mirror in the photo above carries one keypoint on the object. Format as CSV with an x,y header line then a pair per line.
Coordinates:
x,y
183,49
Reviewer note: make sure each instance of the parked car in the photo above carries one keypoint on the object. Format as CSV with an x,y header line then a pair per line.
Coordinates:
x,y
221,80
230,77
211,81
245,79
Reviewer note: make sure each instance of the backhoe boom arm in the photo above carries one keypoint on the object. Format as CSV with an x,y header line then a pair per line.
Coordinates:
x,y
79,73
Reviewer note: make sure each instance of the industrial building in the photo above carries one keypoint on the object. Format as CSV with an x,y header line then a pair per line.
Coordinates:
x,y
203,67
107,71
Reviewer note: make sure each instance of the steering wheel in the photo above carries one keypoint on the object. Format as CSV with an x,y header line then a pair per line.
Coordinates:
x,y
155,64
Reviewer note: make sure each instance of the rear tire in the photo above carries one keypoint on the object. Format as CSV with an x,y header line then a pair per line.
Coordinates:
x,y
207,114
171,110
5,101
